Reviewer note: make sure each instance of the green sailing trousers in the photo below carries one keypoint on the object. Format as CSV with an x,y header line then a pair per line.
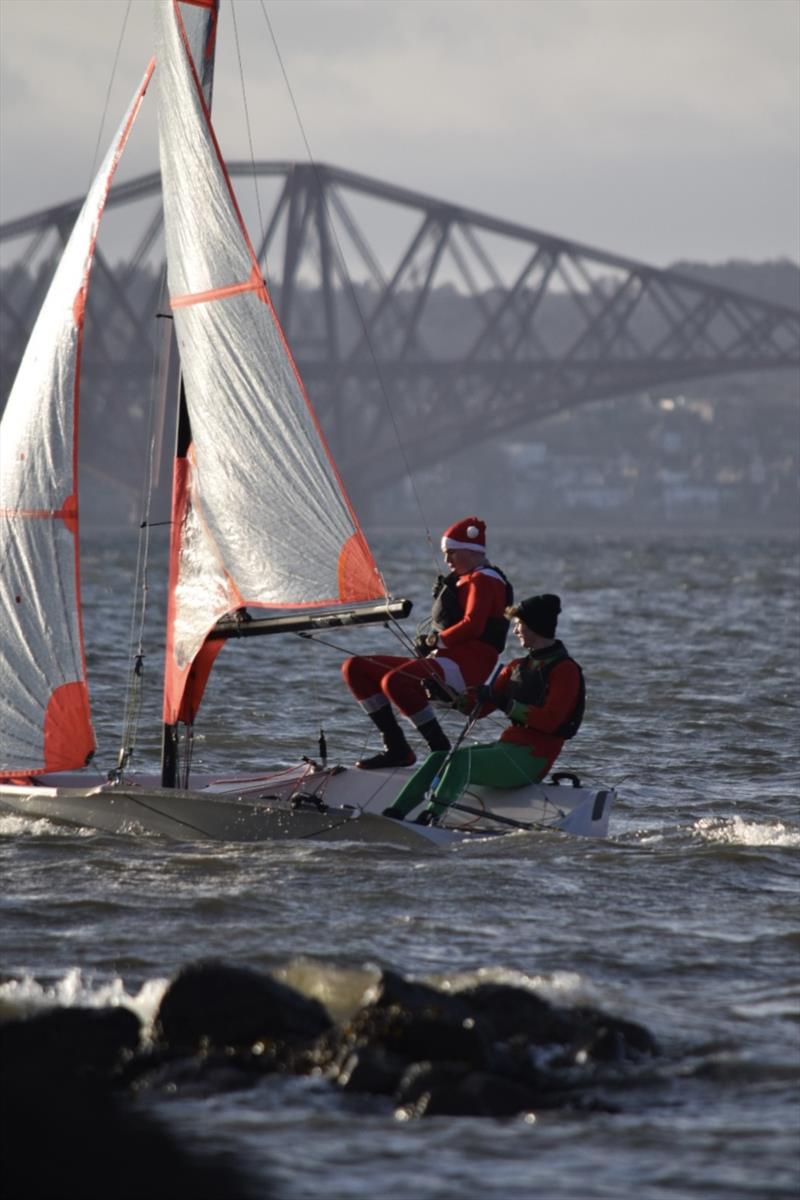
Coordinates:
x,y
495,764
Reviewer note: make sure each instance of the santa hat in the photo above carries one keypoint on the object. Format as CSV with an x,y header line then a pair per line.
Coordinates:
x,y
469,534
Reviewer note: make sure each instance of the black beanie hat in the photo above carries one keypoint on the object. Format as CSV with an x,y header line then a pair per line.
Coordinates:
x,y
540,614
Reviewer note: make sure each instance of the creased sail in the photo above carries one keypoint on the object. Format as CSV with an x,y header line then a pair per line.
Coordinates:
x,y
260,515
45,723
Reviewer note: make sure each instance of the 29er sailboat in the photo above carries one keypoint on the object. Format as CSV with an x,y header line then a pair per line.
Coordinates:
x,y
254,487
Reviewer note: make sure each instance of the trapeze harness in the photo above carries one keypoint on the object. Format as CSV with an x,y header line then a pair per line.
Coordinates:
x,y
447,609
527,685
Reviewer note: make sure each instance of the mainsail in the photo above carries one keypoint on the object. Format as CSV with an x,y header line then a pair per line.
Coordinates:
x,y
45,722
260,516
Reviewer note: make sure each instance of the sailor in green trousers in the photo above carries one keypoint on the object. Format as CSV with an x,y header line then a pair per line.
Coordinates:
x,y
543,696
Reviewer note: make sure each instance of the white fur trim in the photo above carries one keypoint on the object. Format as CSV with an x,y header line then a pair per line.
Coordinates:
x,y
451,544
452,673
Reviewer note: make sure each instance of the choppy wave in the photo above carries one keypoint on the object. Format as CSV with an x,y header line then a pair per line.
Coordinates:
x,y
736,831
26,996
12,825
685,919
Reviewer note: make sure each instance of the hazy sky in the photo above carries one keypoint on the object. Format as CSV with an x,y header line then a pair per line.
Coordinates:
x,y
660,129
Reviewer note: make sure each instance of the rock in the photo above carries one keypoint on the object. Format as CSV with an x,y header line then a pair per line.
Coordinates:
x,y
70,1042
66,1133
492,1050
420,999
213,1004
81,1142
510,1011
198,1075
371,1069
447,1089
417,1038
613,1039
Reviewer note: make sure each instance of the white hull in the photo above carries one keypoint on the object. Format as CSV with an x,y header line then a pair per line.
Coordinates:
x,y
335,804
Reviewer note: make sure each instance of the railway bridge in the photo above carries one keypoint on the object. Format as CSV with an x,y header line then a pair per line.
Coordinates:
x,y
469,326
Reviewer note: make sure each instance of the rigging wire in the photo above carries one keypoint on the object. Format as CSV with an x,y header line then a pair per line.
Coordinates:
x,y
133,697
350,286
112,77
136,640
249,128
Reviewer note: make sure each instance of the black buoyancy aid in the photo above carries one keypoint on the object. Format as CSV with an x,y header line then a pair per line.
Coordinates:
x,y
527,684
447,609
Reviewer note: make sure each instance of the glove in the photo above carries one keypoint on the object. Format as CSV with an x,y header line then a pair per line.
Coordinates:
x,y
484,694
436,693
421,647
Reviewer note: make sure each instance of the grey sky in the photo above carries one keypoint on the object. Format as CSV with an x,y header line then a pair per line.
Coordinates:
x,y
662,129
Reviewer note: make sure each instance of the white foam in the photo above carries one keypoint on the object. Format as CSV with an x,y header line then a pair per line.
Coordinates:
x,y
559,987
12,825
735,831
25,996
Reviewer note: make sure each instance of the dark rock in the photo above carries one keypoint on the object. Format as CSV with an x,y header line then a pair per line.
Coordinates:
x,y
213,1004
493,1049
67,1134
70,1042
418,1038
612,1039
371,1069
447,1089
199,1075
511,1010
80,1142
420,999
409,1037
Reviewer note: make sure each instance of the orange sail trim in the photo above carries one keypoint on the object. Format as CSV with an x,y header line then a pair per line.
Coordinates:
x,y
68,740
359,578
194,681
68,513
184,685
254,284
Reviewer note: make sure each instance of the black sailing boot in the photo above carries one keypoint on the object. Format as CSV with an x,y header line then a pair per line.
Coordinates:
x,y
396,750
434,735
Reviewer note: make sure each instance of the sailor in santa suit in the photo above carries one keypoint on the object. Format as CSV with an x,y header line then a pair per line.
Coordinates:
x,y
468,633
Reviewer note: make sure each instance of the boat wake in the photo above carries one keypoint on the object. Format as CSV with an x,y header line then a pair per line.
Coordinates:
x,y
735,831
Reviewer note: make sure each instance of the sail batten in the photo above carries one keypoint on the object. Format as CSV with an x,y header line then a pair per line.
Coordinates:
x,y
260,515
221,293
45,720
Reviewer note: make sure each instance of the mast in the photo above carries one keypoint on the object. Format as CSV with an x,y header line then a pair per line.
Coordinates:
x,y
201,29
183,439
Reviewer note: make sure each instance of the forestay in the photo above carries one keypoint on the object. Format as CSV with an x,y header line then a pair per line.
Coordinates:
x,y
45,722
260,516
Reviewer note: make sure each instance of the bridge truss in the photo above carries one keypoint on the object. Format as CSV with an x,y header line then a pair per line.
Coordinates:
x,y
469,327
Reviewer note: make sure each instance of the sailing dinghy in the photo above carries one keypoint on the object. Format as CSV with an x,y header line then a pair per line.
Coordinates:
x,y
253,480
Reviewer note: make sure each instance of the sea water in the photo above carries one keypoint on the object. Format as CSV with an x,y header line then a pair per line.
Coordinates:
x,y
685,919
